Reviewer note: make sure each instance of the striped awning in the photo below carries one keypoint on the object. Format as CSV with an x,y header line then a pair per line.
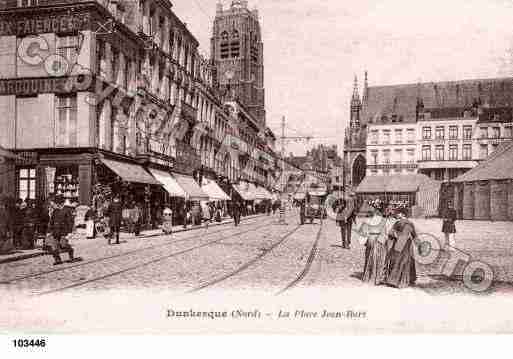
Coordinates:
x,y
130,172
214,192
169,183
191,188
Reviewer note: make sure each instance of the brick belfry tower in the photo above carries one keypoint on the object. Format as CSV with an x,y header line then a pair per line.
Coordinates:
x,y
237,54
355,140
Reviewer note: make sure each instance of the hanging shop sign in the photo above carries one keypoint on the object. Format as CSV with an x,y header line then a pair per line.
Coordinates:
x,y
50,180
42,24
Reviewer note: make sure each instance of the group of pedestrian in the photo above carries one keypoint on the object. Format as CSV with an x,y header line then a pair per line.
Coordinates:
x,y
22,222
389,249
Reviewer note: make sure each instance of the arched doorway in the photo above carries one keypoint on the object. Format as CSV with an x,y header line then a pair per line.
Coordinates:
x,y
358,170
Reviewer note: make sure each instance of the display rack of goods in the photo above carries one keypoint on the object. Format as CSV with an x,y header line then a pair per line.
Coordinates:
x,y
67,186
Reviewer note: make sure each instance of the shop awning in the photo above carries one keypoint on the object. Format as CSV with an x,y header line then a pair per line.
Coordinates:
x,y
169,183
299,196
253,191
244,193
191,188
130,172
262,193
214,192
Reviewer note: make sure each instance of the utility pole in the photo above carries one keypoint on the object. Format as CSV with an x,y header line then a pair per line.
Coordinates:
x,y
283,184
282,200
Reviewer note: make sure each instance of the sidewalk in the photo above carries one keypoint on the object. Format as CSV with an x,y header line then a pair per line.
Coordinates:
x,y
79,236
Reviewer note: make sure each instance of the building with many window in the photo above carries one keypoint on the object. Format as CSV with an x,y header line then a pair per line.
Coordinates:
x,y
445,142
494,126
457,124
391,149
115,89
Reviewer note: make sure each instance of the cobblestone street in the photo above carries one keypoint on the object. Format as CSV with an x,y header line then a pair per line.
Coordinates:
x,y
270,254
260,257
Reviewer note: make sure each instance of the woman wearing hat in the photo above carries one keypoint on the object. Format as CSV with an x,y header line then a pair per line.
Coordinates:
x,y
375,231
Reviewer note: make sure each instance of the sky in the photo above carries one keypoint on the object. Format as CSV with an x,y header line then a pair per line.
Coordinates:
x,y
314,48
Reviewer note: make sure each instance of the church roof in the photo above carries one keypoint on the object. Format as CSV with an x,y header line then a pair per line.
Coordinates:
x,y
401,100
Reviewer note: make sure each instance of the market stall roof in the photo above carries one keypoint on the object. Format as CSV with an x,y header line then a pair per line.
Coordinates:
x,y
498,166
191,188
214,192
393,183
130,172
169,183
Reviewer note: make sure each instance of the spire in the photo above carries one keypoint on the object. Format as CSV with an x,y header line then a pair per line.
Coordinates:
x,y
355,100
366,88
356,106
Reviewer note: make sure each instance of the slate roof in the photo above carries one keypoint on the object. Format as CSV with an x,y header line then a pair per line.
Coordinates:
x,y
401,100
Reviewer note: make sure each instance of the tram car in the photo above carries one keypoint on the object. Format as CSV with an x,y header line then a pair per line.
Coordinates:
x,y
315,203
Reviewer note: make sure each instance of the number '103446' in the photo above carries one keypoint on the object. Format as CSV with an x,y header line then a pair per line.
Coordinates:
x,y
27,343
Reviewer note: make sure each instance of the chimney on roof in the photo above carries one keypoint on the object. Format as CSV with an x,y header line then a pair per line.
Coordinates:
x,y
219,7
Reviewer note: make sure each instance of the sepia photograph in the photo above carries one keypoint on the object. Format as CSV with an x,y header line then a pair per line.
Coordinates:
x,y
212,167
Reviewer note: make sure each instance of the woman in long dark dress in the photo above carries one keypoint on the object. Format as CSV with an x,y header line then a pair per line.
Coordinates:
x,y
401,262
376,232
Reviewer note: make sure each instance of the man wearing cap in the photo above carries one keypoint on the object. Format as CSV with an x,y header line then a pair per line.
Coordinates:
x,y
61,224
115,216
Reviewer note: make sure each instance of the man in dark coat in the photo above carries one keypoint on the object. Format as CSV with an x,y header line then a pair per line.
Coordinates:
x,y
449,226
18,222
236,213
342,221
115,217
29,231
302,212
61,224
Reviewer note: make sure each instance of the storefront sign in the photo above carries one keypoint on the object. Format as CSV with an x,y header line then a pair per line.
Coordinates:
x,y
33,86
41,25
27,159
50,180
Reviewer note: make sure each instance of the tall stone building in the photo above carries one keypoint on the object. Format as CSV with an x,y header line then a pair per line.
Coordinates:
x,y
237,53
447,141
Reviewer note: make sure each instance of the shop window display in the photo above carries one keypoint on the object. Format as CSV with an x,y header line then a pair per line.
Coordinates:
x,y
67,183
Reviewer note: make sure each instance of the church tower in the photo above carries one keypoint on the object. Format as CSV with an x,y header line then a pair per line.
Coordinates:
x,y
356,106
354,141
237,54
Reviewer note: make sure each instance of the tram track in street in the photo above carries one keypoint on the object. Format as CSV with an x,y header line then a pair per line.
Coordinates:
x,y
150,262
246,265
119,255
308,264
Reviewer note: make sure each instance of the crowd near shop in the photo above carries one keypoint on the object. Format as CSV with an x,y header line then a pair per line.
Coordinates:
x,y
137,118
